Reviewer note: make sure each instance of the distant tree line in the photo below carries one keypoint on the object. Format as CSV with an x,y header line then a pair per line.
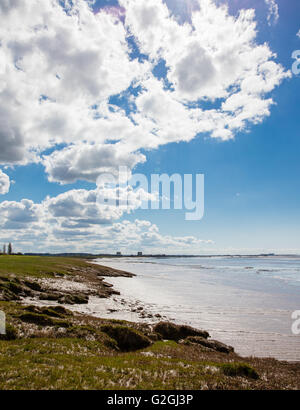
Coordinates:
x,y
9,249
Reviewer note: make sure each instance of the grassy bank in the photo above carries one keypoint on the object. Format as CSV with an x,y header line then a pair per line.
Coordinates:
x,y
50,347
46,266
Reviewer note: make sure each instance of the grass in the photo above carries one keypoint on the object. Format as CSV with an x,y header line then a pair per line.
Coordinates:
x,y
70,363
77,364
239,369
37,266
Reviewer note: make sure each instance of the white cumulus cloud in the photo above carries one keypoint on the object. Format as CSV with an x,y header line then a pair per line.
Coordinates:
x,y
73,221
87,161
62,70
4,183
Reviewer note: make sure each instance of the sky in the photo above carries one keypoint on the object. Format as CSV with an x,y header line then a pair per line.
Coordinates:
x,y
175,87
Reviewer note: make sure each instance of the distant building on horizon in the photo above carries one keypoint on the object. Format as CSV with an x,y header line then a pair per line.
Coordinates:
x,y
140,253
119,253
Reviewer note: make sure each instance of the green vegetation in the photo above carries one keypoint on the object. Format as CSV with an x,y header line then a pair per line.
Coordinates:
x,y
77,364
38,266
239,369
70,363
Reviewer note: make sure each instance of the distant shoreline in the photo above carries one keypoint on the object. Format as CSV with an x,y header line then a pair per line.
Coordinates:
x,y
109,255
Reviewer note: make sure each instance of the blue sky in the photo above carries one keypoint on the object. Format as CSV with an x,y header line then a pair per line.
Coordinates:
x,y
252,177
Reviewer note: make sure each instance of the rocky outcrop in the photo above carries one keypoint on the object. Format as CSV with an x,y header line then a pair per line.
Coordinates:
x,y
63,291
53,311
42,320
16,289
128,339
13,288
171,331
208,343
46,316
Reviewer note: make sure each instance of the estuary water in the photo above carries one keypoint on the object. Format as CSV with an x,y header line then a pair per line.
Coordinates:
x,y
246,302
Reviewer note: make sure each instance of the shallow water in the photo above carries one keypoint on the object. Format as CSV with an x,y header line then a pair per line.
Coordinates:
x,y
243,301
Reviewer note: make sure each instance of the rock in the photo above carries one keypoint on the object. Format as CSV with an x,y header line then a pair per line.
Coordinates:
x,y
171,331
65,298
13,289
17,288
62,310
50,296
33,285
154,336
113,292
127,339
107,285
42,319
80,298
52,311
211,344
102,294
7,295
186,342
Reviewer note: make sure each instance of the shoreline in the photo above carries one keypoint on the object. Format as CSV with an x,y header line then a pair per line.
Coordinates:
x,y
116,306
273,343
111,304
